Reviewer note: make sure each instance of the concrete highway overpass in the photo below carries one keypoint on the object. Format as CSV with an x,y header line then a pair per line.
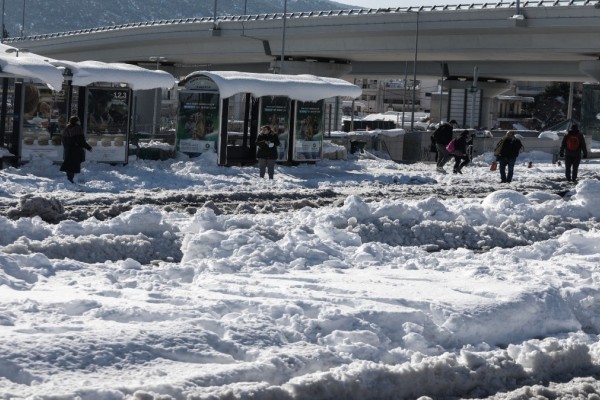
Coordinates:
x,y
533,41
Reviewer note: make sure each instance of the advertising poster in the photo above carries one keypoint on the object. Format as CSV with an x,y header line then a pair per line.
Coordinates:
x,y
275,112
308,142
198,122
107,123
44,118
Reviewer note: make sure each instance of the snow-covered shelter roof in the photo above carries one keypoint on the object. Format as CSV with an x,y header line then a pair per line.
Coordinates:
x,y
21,63
297,87
26,65
138,78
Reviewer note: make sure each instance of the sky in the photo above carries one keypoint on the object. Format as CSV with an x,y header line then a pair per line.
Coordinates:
x,y
353,278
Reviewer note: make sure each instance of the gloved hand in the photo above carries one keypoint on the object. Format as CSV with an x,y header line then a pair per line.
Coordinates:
x,y
584,155
561,154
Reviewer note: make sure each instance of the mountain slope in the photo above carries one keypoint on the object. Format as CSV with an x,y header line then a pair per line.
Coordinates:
x,y
67,15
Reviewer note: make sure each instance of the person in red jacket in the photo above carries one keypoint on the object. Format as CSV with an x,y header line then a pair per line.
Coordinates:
x,y
571,148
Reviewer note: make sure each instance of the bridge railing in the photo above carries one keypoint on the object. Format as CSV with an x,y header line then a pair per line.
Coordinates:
x,y
319,14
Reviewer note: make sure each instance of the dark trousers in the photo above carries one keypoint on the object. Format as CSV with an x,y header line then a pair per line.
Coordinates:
x,y
506,163
460,162
265,164
572,167
443,155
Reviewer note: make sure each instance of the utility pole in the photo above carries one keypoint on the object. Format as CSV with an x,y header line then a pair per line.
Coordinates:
x,y
22,21
3,30
412,121
283,37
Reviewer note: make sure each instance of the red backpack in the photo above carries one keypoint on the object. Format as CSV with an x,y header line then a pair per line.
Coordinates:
x,y
572,142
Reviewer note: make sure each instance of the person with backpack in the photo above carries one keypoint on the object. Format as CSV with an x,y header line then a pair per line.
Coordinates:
x,y
571,148
442,136
507,150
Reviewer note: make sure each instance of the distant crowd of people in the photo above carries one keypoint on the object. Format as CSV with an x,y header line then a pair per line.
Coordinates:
x,y
444,142
447,145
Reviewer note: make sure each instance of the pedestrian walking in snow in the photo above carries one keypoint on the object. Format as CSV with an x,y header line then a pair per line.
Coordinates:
x,y
73,146
460,153
572,147
506,152
442,136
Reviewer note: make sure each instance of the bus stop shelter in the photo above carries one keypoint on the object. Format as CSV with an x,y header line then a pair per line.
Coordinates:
x,y
291,104
39,94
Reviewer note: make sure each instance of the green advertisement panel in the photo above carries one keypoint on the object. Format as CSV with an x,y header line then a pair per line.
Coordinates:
x,y
198,122
275,112
308,142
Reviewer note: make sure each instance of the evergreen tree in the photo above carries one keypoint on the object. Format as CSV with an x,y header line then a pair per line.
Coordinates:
x,y
551,106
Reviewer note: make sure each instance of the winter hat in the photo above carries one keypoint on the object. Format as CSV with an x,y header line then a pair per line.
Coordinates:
x,y
574,129
74,120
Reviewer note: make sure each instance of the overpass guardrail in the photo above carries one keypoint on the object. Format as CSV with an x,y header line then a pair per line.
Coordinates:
x,y
318,14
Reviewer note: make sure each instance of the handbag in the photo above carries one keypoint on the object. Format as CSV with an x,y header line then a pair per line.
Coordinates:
x,y
451,146
493,166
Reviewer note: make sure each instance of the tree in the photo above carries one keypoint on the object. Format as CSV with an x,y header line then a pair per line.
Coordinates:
x,y
551,106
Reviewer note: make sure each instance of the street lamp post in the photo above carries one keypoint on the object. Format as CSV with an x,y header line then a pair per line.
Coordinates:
x,y
473,97
412,121
3,30
404,94
215,14
23,21
158,60
283,38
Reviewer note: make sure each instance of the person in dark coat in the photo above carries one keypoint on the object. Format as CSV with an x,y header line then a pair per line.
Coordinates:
x,y
571,148
442,136
73,145
460,153
506,152
267,142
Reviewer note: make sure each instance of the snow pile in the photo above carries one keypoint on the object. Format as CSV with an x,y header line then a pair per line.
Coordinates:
x,y
223,285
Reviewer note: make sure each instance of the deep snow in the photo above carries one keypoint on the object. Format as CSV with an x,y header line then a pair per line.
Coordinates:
x,y
405,283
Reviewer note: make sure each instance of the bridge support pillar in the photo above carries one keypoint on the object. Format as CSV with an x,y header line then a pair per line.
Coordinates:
x,y
591,68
